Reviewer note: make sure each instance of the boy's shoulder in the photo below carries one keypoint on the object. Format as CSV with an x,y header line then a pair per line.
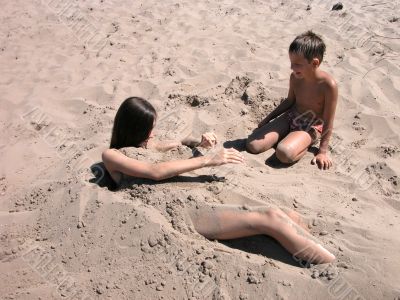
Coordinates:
x,y
327,80
324,78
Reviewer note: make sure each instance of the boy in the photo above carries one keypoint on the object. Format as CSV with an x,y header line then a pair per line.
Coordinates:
x,y
308,112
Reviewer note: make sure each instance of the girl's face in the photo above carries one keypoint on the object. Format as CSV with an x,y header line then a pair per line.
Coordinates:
x,y
151,135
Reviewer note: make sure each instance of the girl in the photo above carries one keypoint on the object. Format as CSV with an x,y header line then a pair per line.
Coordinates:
x,y
133,126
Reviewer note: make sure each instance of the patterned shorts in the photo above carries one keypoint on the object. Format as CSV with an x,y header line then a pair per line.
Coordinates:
x,y
305,122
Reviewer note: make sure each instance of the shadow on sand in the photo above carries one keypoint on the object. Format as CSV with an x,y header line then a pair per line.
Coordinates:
x,y
262,245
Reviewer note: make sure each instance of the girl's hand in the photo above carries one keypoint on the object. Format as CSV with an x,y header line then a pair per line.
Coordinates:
x,y
208,140
224,156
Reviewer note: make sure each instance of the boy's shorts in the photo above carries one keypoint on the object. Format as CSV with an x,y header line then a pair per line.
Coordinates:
x,y
305,122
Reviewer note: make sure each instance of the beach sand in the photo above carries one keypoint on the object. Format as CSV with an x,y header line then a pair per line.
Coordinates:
x,y
206,66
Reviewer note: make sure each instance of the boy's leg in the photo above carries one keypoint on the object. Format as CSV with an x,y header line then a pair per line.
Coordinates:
x,y
267,136
293,146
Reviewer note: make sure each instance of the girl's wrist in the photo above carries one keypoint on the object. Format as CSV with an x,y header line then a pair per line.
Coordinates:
x,y
205,161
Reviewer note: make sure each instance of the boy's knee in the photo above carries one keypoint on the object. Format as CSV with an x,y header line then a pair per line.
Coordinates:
x,y
252,147
285,153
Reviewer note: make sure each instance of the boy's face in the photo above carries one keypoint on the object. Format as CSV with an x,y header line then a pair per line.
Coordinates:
x,y
300,65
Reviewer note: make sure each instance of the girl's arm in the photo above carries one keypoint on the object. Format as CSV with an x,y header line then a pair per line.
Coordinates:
x,y
115,162
207,140
163,146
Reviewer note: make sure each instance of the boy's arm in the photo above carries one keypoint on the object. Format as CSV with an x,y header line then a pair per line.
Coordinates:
x,y
331,95
283,106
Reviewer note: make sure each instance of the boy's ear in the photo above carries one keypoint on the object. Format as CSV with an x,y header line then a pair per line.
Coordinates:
x,y
315,62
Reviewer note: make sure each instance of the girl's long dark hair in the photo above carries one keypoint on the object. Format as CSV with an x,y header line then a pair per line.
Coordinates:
x,y
133,123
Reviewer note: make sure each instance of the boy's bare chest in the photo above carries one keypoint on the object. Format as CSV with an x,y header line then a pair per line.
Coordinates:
x,y
309,98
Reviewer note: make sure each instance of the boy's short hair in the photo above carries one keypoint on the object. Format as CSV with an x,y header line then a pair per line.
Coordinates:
x,y
310,45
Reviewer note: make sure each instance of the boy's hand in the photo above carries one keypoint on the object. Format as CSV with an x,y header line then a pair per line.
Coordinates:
x,y
322,160
208,140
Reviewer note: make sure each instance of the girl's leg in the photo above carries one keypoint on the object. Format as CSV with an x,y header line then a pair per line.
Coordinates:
x,y
296,217
227,222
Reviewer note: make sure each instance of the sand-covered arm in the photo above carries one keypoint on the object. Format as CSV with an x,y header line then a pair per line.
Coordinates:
x,y
207,140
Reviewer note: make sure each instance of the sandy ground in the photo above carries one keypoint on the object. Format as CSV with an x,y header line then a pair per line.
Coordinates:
x,y
66,67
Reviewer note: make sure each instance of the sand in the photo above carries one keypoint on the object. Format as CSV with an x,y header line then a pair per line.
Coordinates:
x,y
221,66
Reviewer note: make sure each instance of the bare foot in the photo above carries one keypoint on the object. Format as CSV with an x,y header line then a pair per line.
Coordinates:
x,y
296,217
